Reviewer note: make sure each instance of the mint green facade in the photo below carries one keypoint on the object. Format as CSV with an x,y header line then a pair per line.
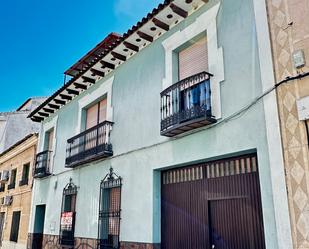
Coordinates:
x,y
140,153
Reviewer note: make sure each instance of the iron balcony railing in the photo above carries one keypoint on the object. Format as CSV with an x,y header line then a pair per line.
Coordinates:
x,y
186,105
89,145
42,165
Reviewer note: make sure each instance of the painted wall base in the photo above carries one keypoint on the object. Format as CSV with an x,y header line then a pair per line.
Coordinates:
x,y
12,245
52,242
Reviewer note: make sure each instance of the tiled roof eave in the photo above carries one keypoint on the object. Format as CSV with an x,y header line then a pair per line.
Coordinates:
x,y
155,24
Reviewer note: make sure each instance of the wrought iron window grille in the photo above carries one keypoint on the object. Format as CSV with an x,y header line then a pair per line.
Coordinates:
x,y
109,211
68,214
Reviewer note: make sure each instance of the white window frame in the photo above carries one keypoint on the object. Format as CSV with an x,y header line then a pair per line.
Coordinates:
x,y
207,24
105,89
47,127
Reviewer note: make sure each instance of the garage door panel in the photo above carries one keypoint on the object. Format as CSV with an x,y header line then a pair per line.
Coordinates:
x,y
216,198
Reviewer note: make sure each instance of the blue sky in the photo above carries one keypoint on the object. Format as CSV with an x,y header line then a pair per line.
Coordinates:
x,y
39,40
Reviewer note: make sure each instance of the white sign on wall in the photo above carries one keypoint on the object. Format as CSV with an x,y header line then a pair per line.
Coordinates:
x,y
303,108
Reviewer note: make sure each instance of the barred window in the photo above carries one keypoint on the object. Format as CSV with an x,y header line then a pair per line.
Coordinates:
x,y
109,212
68,214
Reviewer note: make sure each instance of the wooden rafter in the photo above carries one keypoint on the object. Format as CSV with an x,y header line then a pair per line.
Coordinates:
x,y
80,86
45,109
161,24
131,46
144,36
179,11
64,96
96,72
56,107
43,114
87,79
37,119
107,64
60,102
71,91
118,56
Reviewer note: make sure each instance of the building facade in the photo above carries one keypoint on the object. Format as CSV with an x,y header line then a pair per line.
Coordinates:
x,y
288,21
14,125
165,137
16,166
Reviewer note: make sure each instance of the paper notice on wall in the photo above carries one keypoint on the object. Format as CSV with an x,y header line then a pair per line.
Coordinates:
x,y
67,221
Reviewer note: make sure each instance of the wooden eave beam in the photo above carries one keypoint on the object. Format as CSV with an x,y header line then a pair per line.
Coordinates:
x,y
161,24
71,91
131,46
64,96
179,11
60,102
119,56
37,119
96,72
43,114
56,107
144,36
80,86
87,79
107,64
45,109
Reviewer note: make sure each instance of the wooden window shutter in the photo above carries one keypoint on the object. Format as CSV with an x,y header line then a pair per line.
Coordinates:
x,y
103,108
92,116
194,59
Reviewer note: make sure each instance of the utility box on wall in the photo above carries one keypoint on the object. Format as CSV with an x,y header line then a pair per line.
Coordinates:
x,y
303,108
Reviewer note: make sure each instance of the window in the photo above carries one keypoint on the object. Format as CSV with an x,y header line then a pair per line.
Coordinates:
x,y
2,216
193,59
67,219
15,226
96,114
12,179
25,175
109,212
2,187
49,140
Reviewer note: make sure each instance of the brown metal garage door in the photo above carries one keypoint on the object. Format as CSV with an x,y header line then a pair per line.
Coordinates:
x,y
213,205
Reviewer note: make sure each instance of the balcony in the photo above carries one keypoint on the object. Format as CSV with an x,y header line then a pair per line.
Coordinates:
x,y
186,105
42,165
90,145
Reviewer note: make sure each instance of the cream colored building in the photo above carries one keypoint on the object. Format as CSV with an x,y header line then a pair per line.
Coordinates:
x,y
16,166
289,29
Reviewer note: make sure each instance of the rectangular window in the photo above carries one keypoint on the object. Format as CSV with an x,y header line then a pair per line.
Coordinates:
x,y
2,217
109,216
2,187
49,140
96,114
13,179
67,219
25,176
193,59
15,226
